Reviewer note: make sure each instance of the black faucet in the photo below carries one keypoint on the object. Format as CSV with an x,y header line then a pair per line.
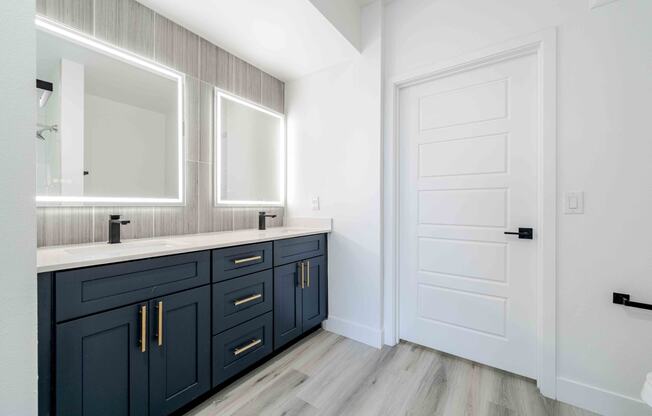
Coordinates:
x,y
261,219
114,228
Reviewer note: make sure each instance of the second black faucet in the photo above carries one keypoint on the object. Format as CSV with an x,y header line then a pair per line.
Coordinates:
x,y
261,219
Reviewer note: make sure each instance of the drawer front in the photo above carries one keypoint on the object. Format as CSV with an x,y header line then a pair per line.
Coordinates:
x,y
237,261
300,248
84,291
239,300
238,348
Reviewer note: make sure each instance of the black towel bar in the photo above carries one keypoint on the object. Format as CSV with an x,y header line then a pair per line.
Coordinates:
x,y
623,299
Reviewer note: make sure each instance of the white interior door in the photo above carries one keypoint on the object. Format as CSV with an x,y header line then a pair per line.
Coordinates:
x,y
468,173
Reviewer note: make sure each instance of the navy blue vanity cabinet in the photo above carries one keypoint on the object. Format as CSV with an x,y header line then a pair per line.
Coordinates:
x,y
101,368
179,349
148,358
241,260
243,300
300,287
299,248
238,348
149,337
313,294
238,300
89,290
287,304
131,338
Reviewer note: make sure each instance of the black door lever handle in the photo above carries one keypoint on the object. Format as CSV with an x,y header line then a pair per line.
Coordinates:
x,y
523,233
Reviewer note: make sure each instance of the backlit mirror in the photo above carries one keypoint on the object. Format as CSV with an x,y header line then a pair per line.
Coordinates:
x,y
250,153
109,124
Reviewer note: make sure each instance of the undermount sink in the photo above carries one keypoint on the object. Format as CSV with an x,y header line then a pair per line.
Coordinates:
x,y
125,248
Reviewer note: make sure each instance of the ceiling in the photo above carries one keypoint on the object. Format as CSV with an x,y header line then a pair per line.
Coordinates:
x,y
286,38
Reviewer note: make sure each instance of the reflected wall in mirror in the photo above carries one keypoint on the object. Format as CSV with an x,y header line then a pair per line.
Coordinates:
x,y
110,130
250,153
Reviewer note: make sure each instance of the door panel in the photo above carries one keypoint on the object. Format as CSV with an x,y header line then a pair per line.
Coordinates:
x,y
313,302
180,366
287,304
101,369
468,173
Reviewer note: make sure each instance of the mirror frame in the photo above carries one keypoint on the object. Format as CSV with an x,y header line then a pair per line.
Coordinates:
x,y
65,32
217,142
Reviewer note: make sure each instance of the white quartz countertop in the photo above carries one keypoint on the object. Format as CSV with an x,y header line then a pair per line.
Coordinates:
x,y
50,259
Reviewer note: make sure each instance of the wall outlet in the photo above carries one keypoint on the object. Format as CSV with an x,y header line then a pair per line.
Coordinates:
x,y
315,203
574,203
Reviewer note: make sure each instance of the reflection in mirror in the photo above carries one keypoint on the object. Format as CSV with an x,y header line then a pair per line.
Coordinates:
x,y
109,129
250,153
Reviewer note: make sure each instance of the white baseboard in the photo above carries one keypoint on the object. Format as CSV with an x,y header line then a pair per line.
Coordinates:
x,y
604,402
355,331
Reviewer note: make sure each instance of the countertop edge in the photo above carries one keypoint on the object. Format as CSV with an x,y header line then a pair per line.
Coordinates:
x,y
75,264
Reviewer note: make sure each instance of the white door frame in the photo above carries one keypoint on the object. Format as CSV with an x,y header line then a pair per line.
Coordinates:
x,y
544,45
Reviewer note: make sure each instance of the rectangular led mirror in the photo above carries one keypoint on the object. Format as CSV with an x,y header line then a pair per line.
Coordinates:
x,y
109,124
249,153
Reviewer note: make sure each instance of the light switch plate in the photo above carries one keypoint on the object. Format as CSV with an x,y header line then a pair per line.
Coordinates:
x,y
574,203
315,203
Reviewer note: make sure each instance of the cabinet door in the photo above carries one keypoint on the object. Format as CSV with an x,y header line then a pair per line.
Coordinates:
x,y
101,368
313,304
287,304
180,349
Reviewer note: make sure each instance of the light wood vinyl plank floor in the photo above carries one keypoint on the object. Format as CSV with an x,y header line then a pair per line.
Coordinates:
x,y
326,374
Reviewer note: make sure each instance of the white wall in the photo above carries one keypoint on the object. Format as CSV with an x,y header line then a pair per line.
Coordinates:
x,y
604,149
17,209
334,152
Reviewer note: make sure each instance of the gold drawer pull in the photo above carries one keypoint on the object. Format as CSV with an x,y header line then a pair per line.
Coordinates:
x,y
303,277
308,269
247,347
143,328
247,260
160,323
249,299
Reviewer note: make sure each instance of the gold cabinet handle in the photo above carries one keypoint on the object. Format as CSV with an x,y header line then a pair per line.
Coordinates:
x,y
303,280
247,347
248,299
308,267
143,328
247,259
160,323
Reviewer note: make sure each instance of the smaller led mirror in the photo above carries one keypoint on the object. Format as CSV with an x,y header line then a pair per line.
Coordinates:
x,y
249,153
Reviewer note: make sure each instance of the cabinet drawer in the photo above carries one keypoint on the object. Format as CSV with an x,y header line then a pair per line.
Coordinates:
x,y
84,291
238,348
300,248
237,261
239,300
